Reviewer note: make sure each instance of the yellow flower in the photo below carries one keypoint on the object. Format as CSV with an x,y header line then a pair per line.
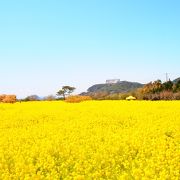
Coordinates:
x,y
90,140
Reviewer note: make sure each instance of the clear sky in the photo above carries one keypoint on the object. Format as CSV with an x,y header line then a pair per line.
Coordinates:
x,y
45,44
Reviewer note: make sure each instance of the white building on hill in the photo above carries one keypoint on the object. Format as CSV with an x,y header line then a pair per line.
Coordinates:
x,y
112,81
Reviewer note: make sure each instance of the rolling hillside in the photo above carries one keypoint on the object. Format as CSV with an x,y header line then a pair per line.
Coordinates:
x,y
176,80
121,87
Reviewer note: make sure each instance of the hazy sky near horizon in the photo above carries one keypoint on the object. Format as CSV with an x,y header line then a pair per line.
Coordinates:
x,y
45,44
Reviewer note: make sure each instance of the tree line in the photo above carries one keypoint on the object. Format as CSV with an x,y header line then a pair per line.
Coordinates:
x,y
61,95
152,91
161,91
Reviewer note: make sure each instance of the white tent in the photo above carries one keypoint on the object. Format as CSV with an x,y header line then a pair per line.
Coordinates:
x,y
130,98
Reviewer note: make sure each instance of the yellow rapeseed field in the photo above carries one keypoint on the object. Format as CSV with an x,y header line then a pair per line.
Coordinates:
x,y
90,140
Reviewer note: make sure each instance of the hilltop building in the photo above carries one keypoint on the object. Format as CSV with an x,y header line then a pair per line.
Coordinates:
x,y
112,81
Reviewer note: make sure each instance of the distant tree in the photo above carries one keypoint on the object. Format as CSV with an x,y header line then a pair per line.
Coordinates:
x,y
168,86
2,97
32,98
61,93
9,99
65,91
77,99
157,86
177,95
50,98
167,95
176,86
152,87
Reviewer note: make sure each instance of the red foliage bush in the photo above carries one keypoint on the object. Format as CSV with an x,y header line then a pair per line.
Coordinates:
x,y
77,99
2,97
8,98
167,95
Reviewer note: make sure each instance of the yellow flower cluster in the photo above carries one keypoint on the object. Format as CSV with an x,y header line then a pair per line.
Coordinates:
x,y
90,140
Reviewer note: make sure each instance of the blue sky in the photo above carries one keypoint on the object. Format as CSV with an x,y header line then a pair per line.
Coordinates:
x,y
45,44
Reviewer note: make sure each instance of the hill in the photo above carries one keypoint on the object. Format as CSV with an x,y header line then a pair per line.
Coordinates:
x,y
176,80
121,87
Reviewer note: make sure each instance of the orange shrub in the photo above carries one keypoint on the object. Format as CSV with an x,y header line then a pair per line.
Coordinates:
x,y
77,99
2,97
8,98
166,95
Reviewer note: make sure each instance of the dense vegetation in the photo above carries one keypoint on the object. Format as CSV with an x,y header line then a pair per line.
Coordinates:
x,y
4,98
161,91
156,90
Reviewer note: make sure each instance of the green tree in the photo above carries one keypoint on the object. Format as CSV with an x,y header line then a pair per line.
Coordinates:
x,y
152,87
157,86
168,86
176,87
65,91
32,98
